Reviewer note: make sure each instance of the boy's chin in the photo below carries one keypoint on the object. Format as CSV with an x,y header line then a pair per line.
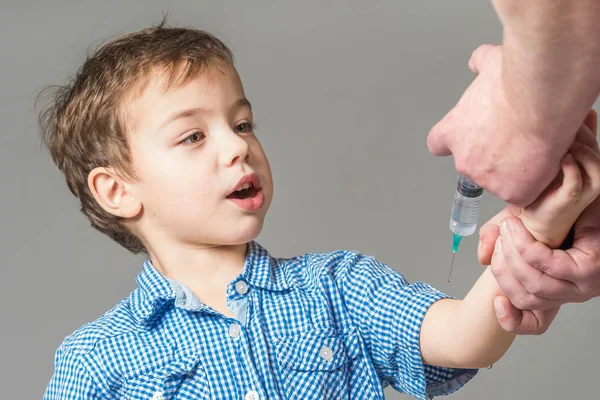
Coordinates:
x,y
247,233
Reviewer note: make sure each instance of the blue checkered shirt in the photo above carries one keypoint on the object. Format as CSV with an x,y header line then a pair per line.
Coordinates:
x,y
338,325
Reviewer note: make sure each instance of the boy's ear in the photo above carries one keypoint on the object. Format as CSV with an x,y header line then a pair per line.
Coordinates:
x,y
112,193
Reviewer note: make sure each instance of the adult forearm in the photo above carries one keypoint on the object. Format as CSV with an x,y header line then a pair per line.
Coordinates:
x,y
550,62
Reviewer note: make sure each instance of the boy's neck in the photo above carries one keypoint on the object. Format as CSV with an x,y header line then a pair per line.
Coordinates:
x,y
206,271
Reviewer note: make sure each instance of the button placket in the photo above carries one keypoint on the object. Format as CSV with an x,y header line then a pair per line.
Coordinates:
x,y
254,383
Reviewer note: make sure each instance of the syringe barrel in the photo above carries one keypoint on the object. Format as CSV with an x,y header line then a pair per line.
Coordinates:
x,y
465,209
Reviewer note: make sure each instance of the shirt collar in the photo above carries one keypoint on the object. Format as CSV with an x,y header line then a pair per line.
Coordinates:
x,y
262,270
155,290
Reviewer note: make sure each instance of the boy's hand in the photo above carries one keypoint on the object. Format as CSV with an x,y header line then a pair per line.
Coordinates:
x,y
552,215
536,278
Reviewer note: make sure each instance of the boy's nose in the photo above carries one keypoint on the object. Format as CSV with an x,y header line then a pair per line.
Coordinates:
x,y
235,149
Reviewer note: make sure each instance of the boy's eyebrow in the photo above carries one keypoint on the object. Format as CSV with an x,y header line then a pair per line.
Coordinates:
x,y
243,102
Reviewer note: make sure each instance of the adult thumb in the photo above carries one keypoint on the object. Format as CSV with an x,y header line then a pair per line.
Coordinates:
x,y
509,317
489,232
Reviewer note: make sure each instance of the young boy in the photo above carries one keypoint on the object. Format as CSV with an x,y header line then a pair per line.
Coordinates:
x,y
155,137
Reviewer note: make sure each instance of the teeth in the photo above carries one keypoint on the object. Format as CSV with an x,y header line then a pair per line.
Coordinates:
x,y
245,186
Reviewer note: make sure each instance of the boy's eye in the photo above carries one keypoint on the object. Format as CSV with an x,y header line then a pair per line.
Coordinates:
x,y
194,138
245,127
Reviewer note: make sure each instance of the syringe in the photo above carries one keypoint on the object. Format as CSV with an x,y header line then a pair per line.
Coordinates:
x,y
465,210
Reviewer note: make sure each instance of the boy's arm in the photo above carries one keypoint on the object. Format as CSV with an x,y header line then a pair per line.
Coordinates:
x,y
465,333
388,313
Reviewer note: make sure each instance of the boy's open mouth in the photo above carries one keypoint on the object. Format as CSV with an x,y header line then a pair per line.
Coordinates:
x,y
248,194
246,191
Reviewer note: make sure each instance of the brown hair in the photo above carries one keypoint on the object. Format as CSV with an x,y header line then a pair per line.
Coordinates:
x,y
82,125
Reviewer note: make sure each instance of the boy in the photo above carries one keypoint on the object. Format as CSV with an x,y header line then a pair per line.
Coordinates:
x,y
155,137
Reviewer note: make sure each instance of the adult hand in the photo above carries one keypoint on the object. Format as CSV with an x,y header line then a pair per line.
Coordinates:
x,y
537,279
495,142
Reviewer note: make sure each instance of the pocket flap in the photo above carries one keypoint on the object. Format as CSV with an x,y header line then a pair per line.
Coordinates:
x,y
164,381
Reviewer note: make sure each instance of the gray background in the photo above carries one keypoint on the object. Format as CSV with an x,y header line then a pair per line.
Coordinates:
x,y
344,93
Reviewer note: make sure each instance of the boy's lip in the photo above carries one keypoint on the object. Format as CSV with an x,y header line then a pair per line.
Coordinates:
x,y
248,178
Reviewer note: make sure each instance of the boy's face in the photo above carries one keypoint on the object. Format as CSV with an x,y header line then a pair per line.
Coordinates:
x,y
191,146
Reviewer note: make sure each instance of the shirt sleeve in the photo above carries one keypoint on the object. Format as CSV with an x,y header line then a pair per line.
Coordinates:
x,y
71,379
388,312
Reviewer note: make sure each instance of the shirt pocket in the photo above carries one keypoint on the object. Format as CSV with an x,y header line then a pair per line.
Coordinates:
x,y
317,364
175,379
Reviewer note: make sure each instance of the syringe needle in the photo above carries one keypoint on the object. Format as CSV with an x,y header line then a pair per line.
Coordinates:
x,y
451,265
456,238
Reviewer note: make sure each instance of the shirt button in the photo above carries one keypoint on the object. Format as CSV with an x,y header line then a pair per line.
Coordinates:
x,y
326,353
158,396
251,395
234,330
241,287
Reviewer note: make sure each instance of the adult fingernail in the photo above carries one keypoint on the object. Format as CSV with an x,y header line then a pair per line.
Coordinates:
x,y
499,308
510,225
498,246
503,228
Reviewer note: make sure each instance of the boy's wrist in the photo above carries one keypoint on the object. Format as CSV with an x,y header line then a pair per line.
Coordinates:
x,y
553,241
